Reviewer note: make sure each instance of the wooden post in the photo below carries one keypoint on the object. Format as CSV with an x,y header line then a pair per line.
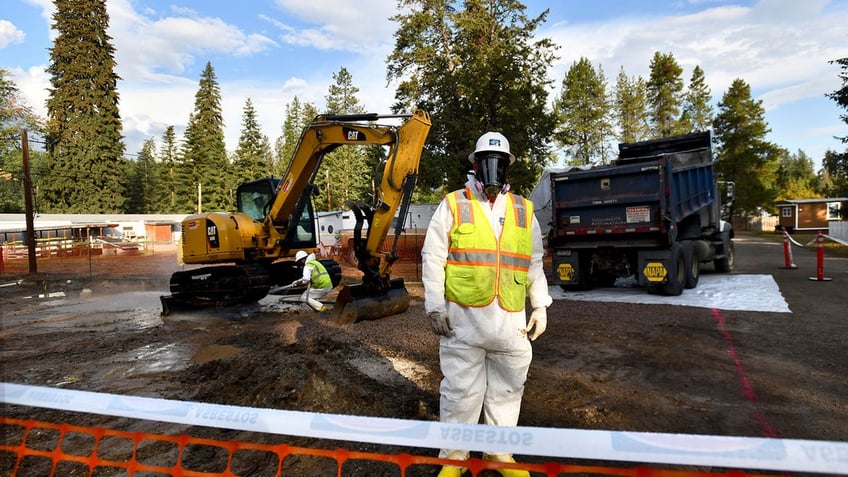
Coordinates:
x,y
28,208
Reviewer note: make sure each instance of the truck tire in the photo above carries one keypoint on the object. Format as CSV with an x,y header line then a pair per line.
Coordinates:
x,y
725,264
693,268
676,272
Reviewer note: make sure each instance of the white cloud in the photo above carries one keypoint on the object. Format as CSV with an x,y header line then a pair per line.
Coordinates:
x,y
337,24
833,130
776,97
146,47
295,84
33,83
9,34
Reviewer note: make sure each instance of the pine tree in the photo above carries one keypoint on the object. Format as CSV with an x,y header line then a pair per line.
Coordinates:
x,y
253,156
474,70
298,116
205,150
697,112
796,177
664,87
143,183
344,172
631,108
84,126
743,155
583,109
187,172
166,202
834,180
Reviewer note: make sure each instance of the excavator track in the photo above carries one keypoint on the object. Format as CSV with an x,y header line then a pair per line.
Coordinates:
x,y
216,286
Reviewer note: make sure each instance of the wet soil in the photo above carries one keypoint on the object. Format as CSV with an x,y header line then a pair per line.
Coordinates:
x,y
95,325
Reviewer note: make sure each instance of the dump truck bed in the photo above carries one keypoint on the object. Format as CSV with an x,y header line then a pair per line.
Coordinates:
x,y
652,185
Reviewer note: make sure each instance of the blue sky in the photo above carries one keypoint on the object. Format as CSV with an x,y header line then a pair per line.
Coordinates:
x,y
273,50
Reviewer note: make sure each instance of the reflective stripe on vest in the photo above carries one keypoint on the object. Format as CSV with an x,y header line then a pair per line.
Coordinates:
x,y
480,267
320,277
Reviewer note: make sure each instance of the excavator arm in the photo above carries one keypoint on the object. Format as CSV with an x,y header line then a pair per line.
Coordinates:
x,y
378,295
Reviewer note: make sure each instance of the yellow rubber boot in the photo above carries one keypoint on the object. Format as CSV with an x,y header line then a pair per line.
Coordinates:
x,y
507,458
452,470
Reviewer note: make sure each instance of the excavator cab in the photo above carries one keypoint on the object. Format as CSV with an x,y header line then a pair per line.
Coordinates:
x,y
255,197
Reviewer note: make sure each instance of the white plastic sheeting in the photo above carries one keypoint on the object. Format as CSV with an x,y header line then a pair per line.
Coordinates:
x,y
720,291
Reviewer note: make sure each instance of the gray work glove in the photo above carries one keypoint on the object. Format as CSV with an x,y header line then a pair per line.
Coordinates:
x,y
440,323
537,323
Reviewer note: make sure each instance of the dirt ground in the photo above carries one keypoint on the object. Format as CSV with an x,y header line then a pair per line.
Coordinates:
x,y
608,366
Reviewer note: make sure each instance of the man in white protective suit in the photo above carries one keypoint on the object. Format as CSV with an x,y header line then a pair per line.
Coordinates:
x,y
315,276
482,257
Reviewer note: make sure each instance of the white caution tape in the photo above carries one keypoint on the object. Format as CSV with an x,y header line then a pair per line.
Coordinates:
x,y
840,241
797,243
648,448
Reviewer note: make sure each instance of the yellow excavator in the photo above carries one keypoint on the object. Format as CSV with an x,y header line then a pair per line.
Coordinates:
x,y
250,251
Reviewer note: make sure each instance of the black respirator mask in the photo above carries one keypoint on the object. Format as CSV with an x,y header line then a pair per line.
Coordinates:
x,y
490,169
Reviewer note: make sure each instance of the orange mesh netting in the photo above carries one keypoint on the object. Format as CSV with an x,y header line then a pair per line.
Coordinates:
x,y
39,448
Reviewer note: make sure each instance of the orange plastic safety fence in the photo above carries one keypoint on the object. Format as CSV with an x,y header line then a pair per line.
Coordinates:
x,y
38,448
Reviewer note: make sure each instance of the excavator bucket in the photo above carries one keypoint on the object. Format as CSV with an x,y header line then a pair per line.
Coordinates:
x,y
360,302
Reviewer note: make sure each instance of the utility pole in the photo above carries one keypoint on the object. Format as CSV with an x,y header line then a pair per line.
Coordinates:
x,y
329,201
30,219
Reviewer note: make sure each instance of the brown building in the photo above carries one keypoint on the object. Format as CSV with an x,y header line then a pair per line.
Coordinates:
x,y
809,214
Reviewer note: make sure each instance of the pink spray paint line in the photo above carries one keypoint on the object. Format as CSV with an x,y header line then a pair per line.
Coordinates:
x,y
747,388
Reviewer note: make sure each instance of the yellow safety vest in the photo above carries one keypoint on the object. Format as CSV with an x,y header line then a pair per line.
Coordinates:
x,y
481,266
320,277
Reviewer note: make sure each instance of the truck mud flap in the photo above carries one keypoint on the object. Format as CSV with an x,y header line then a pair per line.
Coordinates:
x,y
663,271
359,302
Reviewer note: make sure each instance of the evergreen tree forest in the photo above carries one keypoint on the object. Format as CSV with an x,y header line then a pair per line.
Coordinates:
x,y
474,66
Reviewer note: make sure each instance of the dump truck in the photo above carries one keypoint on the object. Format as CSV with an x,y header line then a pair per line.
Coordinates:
x,y
655,214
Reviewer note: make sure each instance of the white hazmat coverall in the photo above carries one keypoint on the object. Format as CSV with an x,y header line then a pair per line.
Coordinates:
x,y
311,295
485,359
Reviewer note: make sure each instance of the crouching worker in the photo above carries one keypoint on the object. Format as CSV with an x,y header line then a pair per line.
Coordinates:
x,y
315,277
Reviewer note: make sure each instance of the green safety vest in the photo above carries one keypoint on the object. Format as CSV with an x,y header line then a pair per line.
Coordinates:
x,y
320,277
481,266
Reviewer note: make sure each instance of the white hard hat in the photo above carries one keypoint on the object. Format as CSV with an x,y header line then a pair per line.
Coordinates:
x,y
300,255
492,142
